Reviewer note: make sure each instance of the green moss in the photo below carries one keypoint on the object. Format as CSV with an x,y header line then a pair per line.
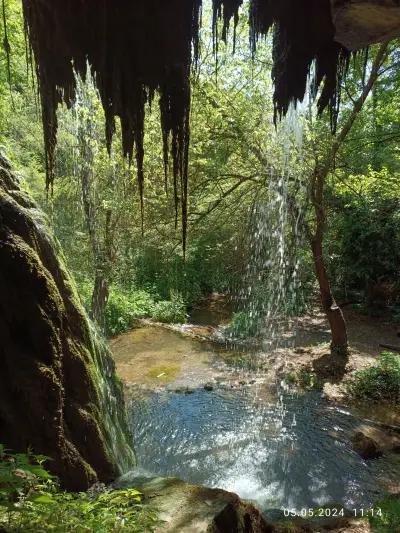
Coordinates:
x,y
69,374
164,373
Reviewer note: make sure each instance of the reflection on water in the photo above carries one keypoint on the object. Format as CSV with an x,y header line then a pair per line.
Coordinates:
x,y
295,453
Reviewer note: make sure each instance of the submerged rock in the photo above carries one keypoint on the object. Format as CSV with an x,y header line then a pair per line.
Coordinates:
x,y
187,508
58,391
370,442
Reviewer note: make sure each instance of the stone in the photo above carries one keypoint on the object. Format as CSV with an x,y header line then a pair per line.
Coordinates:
x,y
57,375
371,442
360,23
187,508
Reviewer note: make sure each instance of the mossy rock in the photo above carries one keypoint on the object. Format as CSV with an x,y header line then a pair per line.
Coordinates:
x,y
58,390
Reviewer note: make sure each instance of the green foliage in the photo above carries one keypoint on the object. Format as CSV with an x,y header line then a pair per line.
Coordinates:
x,y
243,325
379,383
173,311
20,475
364,239
123,307
303,378
31,501
389,522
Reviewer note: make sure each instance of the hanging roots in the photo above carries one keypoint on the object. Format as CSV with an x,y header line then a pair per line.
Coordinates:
x,y
136,48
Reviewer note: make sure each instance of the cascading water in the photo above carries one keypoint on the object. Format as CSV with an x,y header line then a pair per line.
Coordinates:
x,y
268,301
269,296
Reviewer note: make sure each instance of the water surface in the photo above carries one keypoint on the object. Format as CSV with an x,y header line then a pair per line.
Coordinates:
x,y
294,453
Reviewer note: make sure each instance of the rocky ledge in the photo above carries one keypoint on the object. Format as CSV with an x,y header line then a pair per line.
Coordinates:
x,y
187,508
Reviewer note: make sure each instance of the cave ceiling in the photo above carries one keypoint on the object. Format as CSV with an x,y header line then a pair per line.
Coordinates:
x,y
137,48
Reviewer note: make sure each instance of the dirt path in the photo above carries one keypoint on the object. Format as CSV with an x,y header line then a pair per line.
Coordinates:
x,y
365,333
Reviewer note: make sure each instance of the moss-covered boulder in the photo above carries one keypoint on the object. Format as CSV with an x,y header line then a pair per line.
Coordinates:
x,y
58,390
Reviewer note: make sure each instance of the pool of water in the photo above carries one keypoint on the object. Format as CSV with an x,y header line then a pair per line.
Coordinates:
x,y
294,452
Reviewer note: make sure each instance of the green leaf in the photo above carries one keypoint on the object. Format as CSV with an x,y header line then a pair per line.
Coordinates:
x,y
42,498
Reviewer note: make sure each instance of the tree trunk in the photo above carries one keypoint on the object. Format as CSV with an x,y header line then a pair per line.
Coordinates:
x,y
333,312
99,300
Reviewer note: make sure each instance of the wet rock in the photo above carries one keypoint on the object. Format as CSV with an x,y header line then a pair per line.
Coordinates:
x,y
365,446
57,376
209,387
359,24
370,442
186,508
181,390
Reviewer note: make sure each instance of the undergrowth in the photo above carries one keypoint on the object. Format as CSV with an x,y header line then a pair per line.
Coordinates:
x,y
31,501
379,383
389,520
124,306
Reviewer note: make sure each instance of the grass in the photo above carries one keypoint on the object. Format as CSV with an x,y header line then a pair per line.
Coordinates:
x,y
378,383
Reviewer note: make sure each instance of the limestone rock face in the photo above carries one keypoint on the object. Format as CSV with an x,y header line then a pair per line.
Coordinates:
x,y
58,391
186,508
359,23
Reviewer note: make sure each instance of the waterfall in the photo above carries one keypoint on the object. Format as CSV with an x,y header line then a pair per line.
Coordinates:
x,y
269,296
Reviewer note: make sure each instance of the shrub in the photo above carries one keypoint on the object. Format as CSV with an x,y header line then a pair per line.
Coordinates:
x,y
303,378
170,311
380,382
388,518
123,307
31,501
243,325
